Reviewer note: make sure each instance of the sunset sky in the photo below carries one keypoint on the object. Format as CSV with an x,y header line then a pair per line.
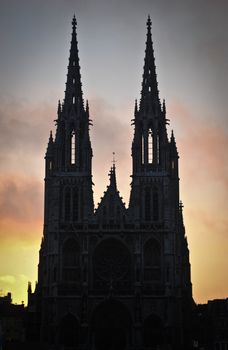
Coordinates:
x,y
191,52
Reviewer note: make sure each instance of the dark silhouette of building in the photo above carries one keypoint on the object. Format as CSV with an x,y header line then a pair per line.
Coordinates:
x,y
114,277
210,326
12,323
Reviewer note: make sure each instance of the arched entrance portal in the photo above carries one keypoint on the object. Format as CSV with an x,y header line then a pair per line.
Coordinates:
x,y
111,326
69,331
153,332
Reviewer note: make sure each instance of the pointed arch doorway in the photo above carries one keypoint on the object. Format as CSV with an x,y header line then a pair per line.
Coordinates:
x,y
69,332
111,326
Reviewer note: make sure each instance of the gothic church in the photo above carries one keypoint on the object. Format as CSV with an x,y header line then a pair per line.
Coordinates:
x,y
115,277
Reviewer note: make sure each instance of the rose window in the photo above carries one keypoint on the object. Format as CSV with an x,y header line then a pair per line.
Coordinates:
x,y
111,260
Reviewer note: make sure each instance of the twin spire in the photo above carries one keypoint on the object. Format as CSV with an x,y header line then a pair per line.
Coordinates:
x,y
149,92
74,96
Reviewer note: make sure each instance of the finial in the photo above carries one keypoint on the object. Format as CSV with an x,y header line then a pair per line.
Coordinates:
x,y
172,139
59,107
29,288
87,106
164,106
149,23
51,137
113,160
172,134
136,106
74,23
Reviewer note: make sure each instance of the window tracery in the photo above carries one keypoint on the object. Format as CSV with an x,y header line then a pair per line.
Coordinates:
x,y
67,204
152,260
158,149
71,261
111,260
155,205
73,147
143,156
150,146
147,204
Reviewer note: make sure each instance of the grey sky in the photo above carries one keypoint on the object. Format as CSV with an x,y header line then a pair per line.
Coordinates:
x,y
190,40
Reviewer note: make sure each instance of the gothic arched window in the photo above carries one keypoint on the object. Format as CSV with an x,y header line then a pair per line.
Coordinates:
x,y
67,204
158,149
143,156
155,205
152,260
71,261
63,149
150,146
75,204
73,147
147,204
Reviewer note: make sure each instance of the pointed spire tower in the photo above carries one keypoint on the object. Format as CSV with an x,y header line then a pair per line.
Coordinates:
x,y
74,152
151,148
149,93
73,93
150,135
69,154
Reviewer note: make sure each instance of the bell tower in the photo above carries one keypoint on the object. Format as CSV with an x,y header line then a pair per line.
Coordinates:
x,y
69,154
154,156
68,201
156,211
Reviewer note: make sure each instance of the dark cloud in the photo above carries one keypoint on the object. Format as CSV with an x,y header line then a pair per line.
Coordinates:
x,y
23,126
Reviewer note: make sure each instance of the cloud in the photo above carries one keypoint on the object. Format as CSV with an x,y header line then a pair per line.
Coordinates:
x,y
208,252
8,279
24,131
16,284
21,209
20,198
111,132
202,145
23,125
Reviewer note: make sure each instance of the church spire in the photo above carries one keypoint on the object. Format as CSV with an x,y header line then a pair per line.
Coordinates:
x,y
73,92
149,93
112,177
112,174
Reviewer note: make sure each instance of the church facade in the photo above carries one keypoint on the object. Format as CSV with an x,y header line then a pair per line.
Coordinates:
x,y
112,277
